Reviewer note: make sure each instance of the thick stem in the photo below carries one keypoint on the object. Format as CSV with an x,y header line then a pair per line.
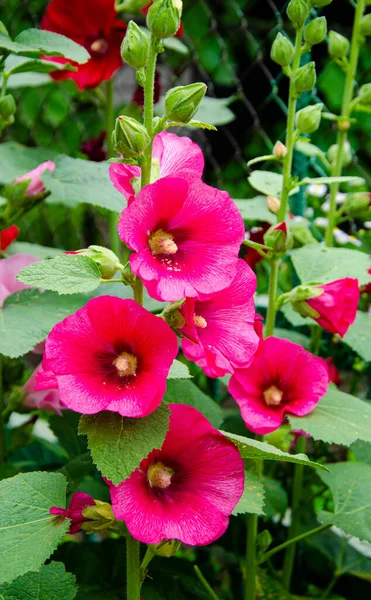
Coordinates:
x,y
342,135
148,108
272,295
295,512
294,540
109,125
2,416
132,568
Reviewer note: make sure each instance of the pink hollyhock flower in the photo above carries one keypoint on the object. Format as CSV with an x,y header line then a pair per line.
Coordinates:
x,y
222,326
41,399
337,305
9,269
77,505
7,236
36,185
172,155
186,236
112,354
283,378
185,491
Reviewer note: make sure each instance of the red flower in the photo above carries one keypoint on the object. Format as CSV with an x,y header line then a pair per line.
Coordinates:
x,y
7,236
94,148
94,25
78,503
337,305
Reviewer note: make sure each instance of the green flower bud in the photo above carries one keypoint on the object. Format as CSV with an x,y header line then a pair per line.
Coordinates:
x,y
134,47
304,78
129,137
338,45
364,93
276,237
320,3
104,258
366,25
101,517
357,203
297,12
7,106
307,119
182,102
166,549
282,51
346,154
163,18
315,32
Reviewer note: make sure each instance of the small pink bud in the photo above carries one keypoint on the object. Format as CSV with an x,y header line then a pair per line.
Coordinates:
x,y
273,204
36,185
279,150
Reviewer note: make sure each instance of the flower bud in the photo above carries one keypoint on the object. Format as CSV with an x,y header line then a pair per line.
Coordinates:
x,y
7,106
364,93
104,258
315,32
357,203
163,18
346,154
273,204
167,548
276,238
279,150
366,25
308,119
182,102
338,45
129,137
297,12
134,47
304,78
100,517
320,3
282,51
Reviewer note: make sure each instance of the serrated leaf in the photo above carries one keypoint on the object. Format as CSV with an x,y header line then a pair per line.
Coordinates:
x,y
253,449
118,444
28,317
54,44
327,180
50,583
316,263
65,274
268,183
176,45
358,336
28,532
186,392
252,499
338,418
256,209
179,370
309,149
350,484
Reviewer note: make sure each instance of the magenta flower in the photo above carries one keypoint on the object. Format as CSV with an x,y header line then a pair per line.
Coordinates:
x,y
186,236
112,354
9,269
222,326
36,185
185,491
337,305
172,155
78,503
47,399
283,378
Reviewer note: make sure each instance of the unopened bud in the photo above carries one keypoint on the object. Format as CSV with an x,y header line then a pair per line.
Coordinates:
x,y
308,119
276,238
338,45
320,3
172,315
332,153
104,258
182,102
344,124
282,51
316,31
134,47
129,137
100,517
273,204
305,292
167,548
7,107
304,78
366,25
163,18
279,150
297,12
364,93
356,203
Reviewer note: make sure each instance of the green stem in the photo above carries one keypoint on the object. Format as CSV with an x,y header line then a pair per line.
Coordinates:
x,y
149,555
272,298
342,135
132,568
205,583
290,133
109,125
148,108
138,291
295,512
251,554
294,540
3,452
315,339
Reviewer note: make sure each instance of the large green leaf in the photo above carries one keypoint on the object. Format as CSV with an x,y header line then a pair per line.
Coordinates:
x,y
33,250
337,419
14,65
256,209
186,392
362,451
28,317
314,263
268,183
54,44
179,370
358,336
28,532
350,484
119,444
65,427
252,499
50,583
16,160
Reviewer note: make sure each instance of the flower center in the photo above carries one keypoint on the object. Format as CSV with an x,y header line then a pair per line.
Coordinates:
x,y
126,364
159,475
99,46
199,321
162,242
273,396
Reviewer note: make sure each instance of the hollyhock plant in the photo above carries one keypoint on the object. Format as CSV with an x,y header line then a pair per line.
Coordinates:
x,y
36,185
222,326
7,236
185,491
9,269
337,305
172,155
186,236
77,505
112,354
94,25
283,378
41,399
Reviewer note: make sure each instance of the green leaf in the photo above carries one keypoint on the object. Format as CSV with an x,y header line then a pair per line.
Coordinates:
x,y
176,45
350,484
77,469
314,263
268,183
293,336
358,336
19,64
65,274
256,209
337,419
33,250
215,111
309,149
28,80
28,532
50,583
252,499
28,317
200,125
179,370
362,451
119,444
16,159
327,180
65,427
276,499
186,392
54,44
294,318
253,449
